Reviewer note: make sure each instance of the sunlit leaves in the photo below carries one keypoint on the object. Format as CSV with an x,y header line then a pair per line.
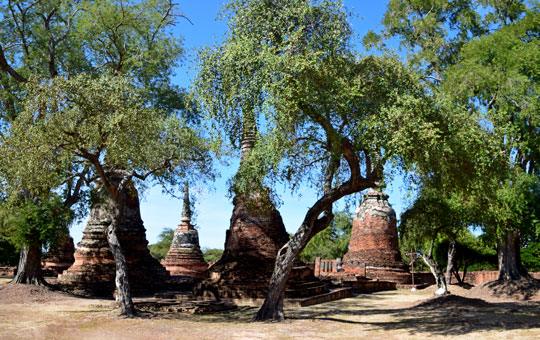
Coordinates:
x,y
71,124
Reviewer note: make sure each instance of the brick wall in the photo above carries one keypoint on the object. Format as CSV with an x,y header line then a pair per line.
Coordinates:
x,y
8,271
328,268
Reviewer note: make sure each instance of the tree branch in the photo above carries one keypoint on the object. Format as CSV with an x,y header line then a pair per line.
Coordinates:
x,y
4,65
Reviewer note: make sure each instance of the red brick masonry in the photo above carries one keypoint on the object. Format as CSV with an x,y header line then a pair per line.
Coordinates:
x,y
373,249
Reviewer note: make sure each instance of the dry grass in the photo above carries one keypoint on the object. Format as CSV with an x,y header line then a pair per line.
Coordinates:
x,y
384,315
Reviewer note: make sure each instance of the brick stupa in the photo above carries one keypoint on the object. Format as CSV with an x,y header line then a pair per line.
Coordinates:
x,y
93,272
185,257
255,236
373,248
59,258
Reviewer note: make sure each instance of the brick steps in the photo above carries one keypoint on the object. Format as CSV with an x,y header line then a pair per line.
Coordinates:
x,y
334,294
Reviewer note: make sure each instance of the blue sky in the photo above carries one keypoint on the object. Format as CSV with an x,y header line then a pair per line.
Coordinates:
x,y
213,207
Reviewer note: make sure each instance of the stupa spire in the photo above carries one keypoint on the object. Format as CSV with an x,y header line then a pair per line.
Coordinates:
x,y
185,257
186,208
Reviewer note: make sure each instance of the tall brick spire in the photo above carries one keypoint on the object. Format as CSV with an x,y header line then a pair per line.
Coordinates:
x,y
186,208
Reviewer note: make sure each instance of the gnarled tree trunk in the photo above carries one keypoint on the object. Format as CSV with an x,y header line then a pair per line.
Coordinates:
x,y
436,271
29,270
272,308
123,291
317,218
451,260
508,251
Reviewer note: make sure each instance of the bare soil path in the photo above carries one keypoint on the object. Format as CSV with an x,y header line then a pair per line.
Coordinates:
x,y
34,313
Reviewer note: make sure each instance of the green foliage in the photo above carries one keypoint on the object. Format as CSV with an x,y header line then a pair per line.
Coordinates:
x,y
41,220
160,249
482,56
290,71
332,242
90,128
212,254
472,253
9,255
63,38
432,216
530,256
47,39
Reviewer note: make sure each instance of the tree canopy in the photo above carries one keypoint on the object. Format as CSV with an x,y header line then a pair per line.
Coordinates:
x,y
86,127
127,38
42,40
101,132
482,56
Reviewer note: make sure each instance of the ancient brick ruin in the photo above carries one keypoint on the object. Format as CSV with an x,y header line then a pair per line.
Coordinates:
x,y
251,244
59,258
93,272
255,236
373,248
185,257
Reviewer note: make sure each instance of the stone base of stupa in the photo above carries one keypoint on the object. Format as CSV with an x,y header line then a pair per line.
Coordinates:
x,y
247,264
93,272
249,280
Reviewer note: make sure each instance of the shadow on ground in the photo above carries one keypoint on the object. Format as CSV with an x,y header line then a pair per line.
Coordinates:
x,y
453,315
437,318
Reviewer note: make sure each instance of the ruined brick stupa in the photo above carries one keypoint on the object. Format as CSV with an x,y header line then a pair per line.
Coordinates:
x,y
59,258
93,272
185,257
255,236
373,248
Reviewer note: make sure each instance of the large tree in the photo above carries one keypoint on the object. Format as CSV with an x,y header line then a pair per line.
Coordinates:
x,y
325,116
498,76
101,131
483,56
50,38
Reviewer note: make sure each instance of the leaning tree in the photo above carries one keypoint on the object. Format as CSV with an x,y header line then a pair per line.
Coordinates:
x,y
325,117
101,131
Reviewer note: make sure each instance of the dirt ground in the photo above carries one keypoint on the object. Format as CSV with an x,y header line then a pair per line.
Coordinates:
x,y
35,313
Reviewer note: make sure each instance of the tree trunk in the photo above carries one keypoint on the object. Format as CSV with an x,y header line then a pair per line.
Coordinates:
x,y
456,274
464,273
451,260
272,308
508,251
123,292
29,270
436,271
